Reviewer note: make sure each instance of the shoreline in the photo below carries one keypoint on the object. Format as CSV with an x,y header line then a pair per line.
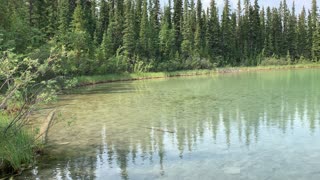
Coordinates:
x,y
84,81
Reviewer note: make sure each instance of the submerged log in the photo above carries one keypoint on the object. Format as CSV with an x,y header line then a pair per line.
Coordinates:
x,y
46,126
161,130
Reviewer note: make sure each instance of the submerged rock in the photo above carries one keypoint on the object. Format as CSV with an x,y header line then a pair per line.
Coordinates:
x,y
232,170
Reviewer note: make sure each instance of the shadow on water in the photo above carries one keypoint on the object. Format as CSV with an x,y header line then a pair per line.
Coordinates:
x,y
240,126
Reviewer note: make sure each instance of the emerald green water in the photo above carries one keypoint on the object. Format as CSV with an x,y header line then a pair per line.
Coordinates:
x,y
250,126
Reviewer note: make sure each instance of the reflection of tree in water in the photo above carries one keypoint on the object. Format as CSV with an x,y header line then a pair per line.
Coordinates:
x,y
196,108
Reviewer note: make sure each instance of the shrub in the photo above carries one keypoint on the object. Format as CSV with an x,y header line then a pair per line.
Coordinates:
x,y
273,61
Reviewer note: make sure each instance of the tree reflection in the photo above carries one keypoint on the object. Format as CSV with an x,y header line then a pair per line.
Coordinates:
x,y
233,110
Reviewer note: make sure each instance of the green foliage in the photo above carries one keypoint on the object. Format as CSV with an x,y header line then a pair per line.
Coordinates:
x,y
85,35
274,61
22,88
316,43
16,148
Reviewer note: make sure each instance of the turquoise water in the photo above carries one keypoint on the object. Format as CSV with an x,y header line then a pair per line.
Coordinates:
x,y
250,126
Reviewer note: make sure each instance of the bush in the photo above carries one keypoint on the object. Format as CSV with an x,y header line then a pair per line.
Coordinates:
x,y
273,61
304,60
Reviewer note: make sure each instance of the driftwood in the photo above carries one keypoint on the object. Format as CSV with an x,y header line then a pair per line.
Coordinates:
x,y
46,126
161,130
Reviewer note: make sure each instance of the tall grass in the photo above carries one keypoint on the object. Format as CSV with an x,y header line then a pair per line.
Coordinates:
x,y
16,148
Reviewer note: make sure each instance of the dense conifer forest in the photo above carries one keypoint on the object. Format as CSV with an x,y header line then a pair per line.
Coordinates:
x,y
85,37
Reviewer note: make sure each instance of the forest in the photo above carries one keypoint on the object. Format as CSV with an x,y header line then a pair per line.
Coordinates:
x,y
89,37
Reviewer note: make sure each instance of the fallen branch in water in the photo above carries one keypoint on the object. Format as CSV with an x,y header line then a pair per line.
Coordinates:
x,y
158,129
46,126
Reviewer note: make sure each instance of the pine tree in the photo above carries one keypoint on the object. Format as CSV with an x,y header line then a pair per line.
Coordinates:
x,y
186,45
154,28
129,34
156,15
310,35
226,33
285,15
234,54
268,43
166,38
245,27
63,17
167,15
103,20
276,32
79,22
177,17
52,18
239,35
316,43
199,28
314,28
143,35
263,29
314,14
302,45
257,28
213,35
292,34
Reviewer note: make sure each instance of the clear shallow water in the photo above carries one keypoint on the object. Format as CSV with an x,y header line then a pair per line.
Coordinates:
x,y
262,125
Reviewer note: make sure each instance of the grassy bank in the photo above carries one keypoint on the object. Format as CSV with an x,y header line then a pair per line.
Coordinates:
x,y
267,68
16,148
91,80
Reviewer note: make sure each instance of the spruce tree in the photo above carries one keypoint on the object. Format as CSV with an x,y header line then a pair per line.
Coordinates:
x,y
314,34
186,45
103,20
268,41
143,35
177,17
129,34
199,28
310,34
302,41
292,33
63,17
213,35
226,33
316,43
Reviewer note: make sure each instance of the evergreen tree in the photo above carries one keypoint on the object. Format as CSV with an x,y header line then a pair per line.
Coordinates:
x,y
103,20
285,15
167,15
276,32
292,34
314,30
310,35
226,33
129,34
143,35
316,43
268,41
63,17
177,17
154,28
213,35
186,46
199,29
302,41
52,18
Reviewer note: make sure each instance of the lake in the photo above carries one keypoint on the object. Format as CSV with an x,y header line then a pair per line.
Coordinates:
x,y
250,126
